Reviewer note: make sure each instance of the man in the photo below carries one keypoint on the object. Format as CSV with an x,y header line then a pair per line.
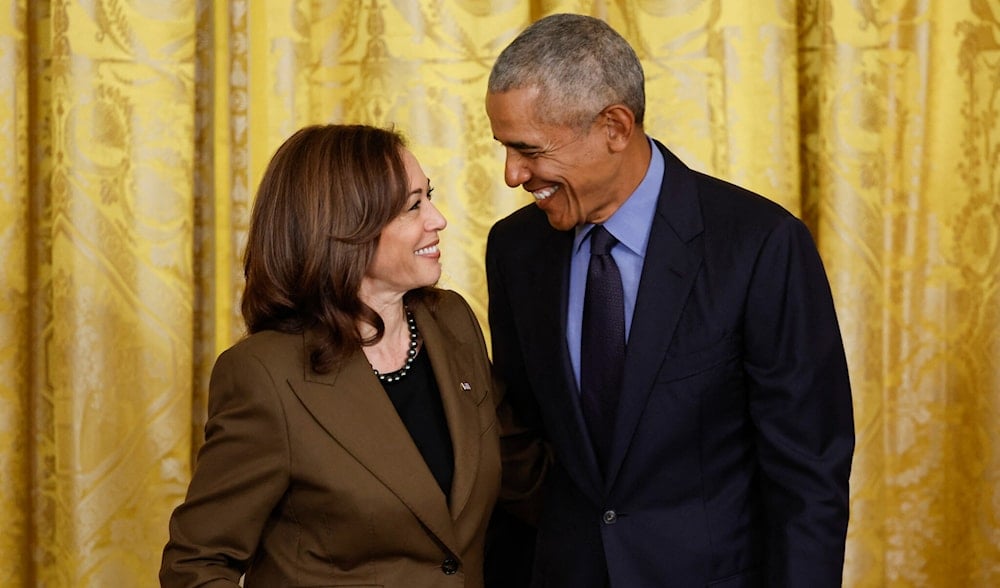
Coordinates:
x,y
710,443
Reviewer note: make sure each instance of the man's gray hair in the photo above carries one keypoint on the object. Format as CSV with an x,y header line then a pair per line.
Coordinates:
x,y
579,64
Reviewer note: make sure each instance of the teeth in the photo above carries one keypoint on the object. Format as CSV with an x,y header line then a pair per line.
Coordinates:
x,y
545,192
427,250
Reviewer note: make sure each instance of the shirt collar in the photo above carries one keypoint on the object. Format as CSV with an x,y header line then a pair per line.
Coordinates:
x,y
630,224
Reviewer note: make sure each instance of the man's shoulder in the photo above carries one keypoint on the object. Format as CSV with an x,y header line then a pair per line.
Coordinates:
x,y
519,233
715,196
736,199
528,218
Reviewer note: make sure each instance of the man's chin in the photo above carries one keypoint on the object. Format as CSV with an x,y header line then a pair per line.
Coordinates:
x,y
558,221
556,212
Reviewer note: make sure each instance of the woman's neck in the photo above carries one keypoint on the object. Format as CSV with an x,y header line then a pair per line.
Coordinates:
x,y
389,353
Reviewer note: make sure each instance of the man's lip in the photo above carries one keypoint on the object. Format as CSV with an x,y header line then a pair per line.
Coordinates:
x,y
544,193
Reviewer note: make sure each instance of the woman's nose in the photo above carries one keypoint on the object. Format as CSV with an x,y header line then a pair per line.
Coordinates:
x,y
435,220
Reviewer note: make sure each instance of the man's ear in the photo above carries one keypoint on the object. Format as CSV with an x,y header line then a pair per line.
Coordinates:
x,y
619,125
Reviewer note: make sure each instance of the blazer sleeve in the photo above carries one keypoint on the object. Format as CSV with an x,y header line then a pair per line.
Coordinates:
x,y
241,474
800,402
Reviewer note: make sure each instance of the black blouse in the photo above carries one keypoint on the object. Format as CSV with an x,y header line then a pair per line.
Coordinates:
x,y
418,402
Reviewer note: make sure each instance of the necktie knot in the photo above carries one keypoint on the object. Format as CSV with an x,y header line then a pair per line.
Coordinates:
x,y
601,241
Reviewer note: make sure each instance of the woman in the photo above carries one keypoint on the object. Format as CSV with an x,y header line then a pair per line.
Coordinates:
x,y
352,436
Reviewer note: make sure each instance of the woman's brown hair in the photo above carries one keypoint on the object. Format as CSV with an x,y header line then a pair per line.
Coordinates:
x,y
325,197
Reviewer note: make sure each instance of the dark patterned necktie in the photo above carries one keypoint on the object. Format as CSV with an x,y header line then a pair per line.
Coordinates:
x,y
602,342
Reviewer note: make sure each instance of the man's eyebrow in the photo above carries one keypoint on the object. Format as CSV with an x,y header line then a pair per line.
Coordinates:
x,y
519,145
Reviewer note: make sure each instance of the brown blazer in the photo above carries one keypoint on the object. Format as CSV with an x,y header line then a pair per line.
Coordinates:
x,y
313,480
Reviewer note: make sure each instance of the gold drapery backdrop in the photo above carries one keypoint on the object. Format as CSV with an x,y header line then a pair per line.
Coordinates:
x,y
133,134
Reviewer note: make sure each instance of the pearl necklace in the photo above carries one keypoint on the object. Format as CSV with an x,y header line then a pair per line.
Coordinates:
x,y
411,353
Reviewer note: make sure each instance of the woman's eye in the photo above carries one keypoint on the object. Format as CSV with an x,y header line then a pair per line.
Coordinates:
x,y
418,198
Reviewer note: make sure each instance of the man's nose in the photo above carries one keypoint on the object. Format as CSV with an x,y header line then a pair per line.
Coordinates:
x,y
516,171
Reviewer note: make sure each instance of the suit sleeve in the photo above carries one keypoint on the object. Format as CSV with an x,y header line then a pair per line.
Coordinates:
x,y
523,449
800,402
241,474
524,455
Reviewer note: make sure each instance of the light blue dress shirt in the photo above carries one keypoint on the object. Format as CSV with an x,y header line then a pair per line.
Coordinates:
x,y
630,224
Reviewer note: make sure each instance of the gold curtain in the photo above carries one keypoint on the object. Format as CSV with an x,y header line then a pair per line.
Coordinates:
x,y
133,134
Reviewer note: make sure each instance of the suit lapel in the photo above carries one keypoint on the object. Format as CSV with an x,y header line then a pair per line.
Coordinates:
x,y
453,365
551,370
350,404
673,258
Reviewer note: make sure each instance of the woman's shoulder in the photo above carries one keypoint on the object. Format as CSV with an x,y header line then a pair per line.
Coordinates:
x,y
444,303
265,347
445,296
451,309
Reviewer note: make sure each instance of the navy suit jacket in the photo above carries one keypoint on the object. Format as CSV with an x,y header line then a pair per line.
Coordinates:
x,y
734,434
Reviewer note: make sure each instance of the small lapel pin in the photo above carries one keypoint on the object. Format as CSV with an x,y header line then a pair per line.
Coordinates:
x,y
466,386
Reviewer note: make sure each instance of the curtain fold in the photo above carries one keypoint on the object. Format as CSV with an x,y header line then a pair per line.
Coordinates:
x,y
15,296
111,108
133,135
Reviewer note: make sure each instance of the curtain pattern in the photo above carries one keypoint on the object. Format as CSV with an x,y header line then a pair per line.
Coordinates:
x,y
133,134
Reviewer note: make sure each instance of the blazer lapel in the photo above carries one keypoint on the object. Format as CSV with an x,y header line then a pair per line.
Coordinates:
x,y
673,258
350,404
453,365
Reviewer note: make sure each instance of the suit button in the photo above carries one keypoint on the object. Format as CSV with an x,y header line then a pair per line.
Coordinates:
x,y
609,517
449,566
